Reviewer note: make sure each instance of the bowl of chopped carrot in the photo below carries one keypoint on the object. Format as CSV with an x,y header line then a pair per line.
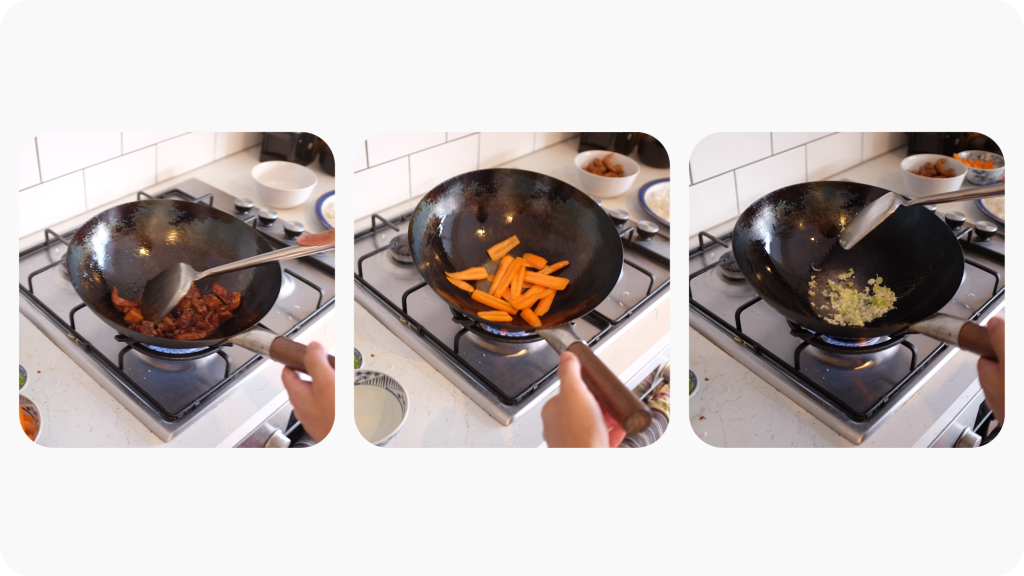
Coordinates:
x,y
604,174
31,417
926,174
983,167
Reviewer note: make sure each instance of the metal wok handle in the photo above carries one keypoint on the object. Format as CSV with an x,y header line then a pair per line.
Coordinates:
x,y
958,332
289,253
606,387
969,194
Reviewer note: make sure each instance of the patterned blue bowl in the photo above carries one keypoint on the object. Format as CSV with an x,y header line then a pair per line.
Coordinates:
x,y
981,176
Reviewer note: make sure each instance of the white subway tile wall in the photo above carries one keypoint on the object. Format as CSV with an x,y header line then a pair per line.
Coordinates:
x,y
431,158
390,145
85,170
28,166
833,154
132,141
725,151
61,153
107,182
749,172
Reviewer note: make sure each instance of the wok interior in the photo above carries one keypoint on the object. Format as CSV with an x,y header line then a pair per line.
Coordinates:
x,y
129,244
780,237
455,224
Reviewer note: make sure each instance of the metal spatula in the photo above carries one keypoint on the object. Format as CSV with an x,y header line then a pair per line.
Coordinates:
x,y
873,214
167,288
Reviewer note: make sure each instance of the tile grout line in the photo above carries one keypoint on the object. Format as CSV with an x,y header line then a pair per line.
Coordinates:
x,y
39,160
736,192
410,153
692,183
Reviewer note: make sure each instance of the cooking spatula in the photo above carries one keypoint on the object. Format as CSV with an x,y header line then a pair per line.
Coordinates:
x,y
167,288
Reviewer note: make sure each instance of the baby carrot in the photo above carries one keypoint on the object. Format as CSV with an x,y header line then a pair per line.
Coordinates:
x,y
492,302
546,281
530,318
545,304
534,261
517,280
502,248
462,285
478,273
553,267
495,316
527,301
499,276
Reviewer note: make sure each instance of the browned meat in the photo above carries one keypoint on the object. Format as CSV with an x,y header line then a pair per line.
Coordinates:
x,y
194,318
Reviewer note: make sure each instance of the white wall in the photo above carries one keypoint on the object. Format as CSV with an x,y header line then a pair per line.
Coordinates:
x,y
730,170
396,166
62,174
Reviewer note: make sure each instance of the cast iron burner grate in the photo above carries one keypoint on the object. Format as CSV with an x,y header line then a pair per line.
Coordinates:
x,y
490,332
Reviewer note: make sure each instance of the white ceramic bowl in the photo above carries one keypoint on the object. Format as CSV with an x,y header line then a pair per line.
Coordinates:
x,y
919,186
381,406
30,407
603,186
982,176
283,184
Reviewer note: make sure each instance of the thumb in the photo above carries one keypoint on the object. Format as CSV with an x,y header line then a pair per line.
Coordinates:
x,y
571,376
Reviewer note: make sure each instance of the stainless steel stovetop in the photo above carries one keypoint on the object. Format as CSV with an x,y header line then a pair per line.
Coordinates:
x,y
167,395
854,393
505,375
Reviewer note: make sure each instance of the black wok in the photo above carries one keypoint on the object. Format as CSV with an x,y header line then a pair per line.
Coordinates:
x,y
789,235
457,221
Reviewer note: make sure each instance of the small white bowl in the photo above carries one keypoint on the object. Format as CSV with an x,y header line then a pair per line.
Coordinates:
x,y
283,184
381,406
919,186
982,176
603,186
30,408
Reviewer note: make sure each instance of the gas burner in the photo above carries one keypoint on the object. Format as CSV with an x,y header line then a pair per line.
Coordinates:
x,y
170,354
852,342
729,269
400,251
491,333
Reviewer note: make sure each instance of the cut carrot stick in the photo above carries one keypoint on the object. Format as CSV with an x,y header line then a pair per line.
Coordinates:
x,y
545,304
502,248
499,276
478,273
517,280
534,261
492,302
532,291
508,295
490,278
527,301
546,281
530,318
553,267
462,285
506,279
495,316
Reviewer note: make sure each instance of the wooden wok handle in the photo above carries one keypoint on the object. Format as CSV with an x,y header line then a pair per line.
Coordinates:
x,y
291,354
615,398
974,338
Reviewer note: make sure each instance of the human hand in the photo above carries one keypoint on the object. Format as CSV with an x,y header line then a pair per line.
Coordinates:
x,y
574,419
321,239
313,401
993,374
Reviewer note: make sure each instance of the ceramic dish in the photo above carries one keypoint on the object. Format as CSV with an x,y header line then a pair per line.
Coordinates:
x,y
381,406
992,207
648,195
603,186
925,186
283,184
983,176
30,408
325,209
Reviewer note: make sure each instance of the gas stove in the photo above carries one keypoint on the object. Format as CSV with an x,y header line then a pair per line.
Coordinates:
x,y
169,389
505,373
853,386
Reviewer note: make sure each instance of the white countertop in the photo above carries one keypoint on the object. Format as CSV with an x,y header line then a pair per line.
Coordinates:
x,y
735,407
77,411
440,414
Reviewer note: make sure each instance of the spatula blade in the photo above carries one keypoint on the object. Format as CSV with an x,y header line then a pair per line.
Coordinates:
x,y
165,290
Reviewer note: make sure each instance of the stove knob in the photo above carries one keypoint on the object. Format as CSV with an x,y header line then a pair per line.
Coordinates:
x,y
931,207
278,440
293,229
985,230
267,217
955,219
619,217
646,229
243,205
968,439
